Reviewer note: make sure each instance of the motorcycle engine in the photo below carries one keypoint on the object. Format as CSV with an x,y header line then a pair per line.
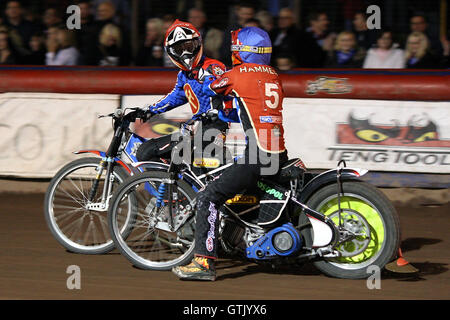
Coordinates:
x,y
231,236
281,241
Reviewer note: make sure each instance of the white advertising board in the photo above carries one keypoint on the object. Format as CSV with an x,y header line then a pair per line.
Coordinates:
x,y
40,131
379,135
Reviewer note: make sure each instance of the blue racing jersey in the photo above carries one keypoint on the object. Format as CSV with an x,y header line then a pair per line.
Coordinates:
x,y
189,89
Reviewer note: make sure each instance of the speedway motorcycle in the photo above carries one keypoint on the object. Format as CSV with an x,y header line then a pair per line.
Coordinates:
x,y
77,198
335,220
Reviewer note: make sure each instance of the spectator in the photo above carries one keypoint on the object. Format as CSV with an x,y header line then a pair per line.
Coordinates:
x,y
212,37
51,18
284,62
317,41
253,22
285,38
348,11
110,45
266,21
244,11
365,37
168,19
418,55
37,50
122,11
346,53
151,52
445,63
85,40
95,51
86,17
386,54
418,23
61,50
7,55
16,23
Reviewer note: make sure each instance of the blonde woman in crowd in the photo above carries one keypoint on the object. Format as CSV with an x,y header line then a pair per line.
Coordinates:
x,y
110,42
385,55
346,53
151,51
61,50
417,54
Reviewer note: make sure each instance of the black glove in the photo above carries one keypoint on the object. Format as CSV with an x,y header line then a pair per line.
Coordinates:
x,y
142,114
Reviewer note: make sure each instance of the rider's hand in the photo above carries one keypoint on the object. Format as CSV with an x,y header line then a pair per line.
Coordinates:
x,y
139,113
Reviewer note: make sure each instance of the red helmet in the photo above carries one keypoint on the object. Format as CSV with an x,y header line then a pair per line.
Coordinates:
x,y
183,44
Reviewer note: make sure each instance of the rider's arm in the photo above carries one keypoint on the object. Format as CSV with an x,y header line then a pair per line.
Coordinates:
x,y
222,86
172,100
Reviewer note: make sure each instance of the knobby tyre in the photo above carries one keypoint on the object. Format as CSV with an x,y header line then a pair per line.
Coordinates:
x,y
67,214
151,244
371,217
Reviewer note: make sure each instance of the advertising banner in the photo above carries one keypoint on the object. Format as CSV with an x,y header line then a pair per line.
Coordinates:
x,y
379,135
40,131
402,136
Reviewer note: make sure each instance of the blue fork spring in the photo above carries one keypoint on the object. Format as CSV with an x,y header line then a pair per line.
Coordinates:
x,y
160,196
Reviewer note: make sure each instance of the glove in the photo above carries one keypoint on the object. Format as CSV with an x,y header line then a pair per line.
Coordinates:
x,y
142,114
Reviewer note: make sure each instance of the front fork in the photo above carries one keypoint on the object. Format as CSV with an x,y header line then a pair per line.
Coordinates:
x,y
105,163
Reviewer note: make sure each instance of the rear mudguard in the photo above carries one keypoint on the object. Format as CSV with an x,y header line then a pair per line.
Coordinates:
x,y
325,231
326,178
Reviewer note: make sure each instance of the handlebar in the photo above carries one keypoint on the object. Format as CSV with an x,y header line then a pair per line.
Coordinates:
x,y
122,114
185,127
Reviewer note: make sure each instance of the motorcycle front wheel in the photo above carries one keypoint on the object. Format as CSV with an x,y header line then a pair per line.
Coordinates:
x,y
371,226
78,223
155,241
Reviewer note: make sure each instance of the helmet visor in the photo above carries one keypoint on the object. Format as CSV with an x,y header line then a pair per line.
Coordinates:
x,y
182,48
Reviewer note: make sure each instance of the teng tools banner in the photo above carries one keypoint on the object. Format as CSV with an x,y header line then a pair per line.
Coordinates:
x,y
402,136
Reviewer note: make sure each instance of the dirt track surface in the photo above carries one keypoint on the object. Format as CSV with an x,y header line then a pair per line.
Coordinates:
x,y
33,265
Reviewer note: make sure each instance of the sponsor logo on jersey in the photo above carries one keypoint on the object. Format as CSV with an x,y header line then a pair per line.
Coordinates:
x,y
270,119
217,71
222,83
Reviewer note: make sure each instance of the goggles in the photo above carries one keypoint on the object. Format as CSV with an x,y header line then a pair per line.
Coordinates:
x,y
185,47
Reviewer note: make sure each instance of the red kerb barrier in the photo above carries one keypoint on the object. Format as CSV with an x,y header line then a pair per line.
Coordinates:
x,y
300,83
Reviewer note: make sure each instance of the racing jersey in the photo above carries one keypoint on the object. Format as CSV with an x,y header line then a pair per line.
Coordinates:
x,y
259,102
188,89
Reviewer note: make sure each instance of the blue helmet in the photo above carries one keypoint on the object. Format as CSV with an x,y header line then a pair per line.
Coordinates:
x,y
250,45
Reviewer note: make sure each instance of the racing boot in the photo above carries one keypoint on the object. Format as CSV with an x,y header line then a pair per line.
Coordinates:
x,y
201,268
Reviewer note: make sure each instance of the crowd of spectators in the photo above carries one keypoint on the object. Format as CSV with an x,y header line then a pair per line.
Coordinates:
x,y
104,39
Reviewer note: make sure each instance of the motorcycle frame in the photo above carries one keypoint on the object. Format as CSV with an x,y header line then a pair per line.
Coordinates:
x,y
340,174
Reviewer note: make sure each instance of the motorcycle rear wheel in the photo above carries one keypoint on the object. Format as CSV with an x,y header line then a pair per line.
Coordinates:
x,y
367,212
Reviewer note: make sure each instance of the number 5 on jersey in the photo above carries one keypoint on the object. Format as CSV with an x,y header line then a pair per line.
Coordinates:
x,y
272,94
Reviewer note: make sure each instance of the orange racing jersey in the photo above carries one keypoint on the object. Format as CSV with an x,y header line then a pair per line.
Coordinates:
x,y
259,94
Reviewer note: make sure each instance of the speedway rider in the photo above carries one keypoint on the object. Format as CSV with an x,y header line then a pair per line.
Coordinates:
x,y
258,101
183,44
